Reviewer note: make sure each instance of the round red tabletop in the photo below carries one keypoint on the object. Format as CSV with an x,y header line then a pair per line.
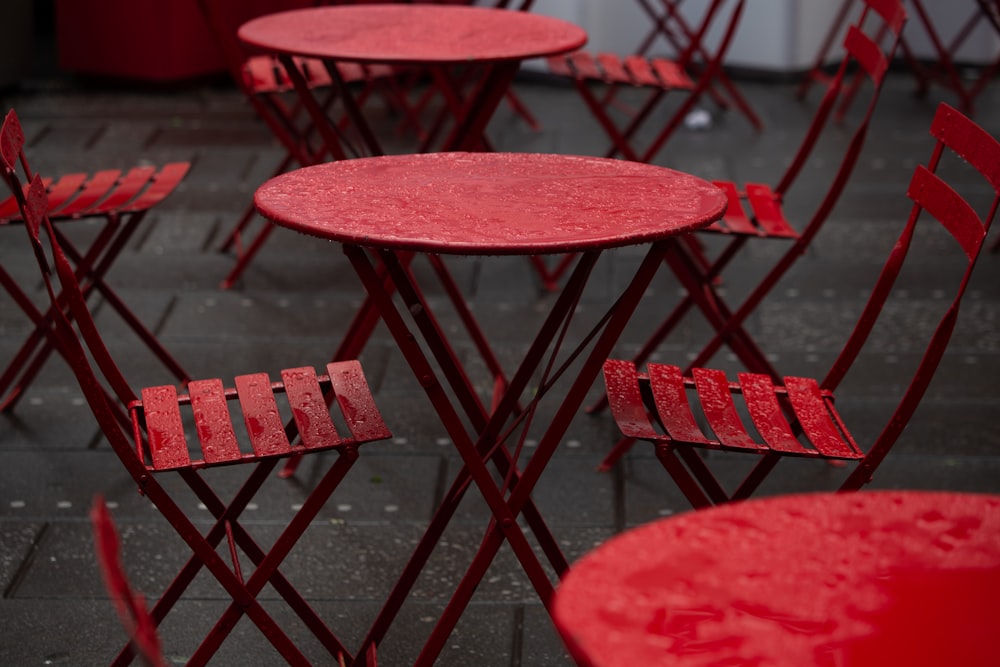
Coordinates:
x,y
848,580
412,34
489,203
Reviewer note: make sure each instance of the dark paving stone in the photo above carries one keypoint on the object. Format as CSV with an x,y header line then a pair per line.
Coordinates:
x,y
296,299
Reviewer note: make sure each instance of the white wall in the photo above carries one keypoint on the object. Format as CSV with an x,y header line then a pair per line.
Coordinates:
x,y
774,35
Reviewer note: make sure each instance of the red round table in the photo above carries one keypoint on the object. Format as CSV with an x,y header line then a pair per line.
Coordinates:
x,y
388,211
445,39
841,580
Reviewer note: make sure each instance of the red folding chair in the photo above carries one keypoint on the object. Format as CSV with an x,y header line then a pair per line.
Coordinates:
x,y
121,200
794,416
157,441
671,28
266,86
757,211
943,70
693,73
599,78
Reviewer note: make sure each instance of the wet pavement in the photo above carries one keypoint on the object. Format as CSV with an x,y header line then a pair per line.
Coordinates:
x,y
292,305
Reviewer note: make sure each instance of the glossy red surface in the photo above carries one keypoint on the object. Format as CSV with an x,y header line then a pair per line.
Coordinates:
x,y
848,580
489,203
412,34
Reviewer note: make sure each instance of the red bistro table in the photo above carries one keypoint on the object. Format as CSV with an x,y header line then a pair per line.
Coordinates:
x,y
388,211
444,39
841,580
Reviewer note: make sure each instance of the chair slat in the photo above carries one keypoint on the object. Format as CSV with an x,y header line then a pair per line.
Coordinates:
x,y
640,70
96,188
672,404
625,400
812,412
213,421
261,416
127,188
169,176
672,76
164,428
735,220
584,65
309,409
356,402
559,65
767,211
767,415
613,69
720,410
63,190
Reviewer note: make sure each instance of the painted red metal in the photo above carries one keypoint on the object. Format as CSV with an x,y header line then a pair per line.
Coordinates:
x,y
119,201
412,34
153,438
489,203
389,211
795,416
860,580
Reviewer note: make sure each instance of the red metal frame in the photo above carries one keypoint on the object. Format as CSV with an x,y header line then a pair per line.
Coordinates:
x,y
122,200
756,211
670,24
556,371
157,442
944,70
797,416
694,71
267,87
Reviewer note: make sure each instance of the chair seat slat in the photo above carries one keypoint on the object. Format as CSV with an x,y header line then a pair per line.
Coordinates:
x,y
672,76
583,64
735,221
164,428
63,190
128,187
213,421
356,402
767,415
261,416
162,184
613,68
625,400
672,405
767,211
814,416
95,189
641,71
309,409
720,410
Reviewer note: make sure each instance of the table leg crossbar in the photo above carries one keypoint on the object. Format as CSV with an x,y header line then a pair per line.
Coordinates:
x,y
482,437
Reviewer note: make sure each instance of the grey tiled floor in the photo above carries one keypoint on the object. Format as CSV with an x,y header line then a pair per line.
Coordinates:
x,y
292,303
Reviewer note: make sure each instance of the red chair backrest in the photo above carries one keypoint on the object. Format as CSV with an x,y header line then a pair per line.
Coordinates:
x,y
33,203
962,223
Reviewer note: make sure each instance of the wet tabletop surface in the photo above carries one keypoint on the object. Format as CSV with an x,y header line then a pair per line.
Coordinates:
x,y
489,203
412,34
864,579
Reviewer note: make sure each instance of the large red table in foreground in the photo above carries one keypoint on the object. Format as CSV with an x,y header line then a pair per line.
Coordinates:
x,y
389,211
841,580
